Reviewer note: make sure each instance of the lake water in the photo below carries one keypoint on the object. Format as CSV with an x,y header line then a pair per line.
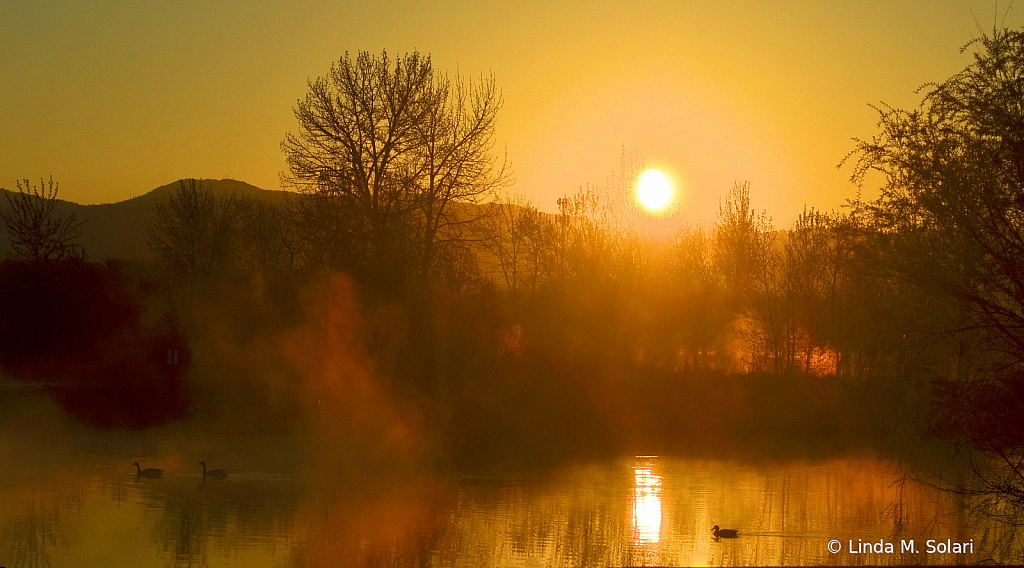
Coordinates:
x,y
637,511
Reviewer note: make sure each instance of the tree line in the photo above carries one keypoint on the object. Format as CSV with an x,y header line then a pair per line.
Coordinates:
x,y
919,292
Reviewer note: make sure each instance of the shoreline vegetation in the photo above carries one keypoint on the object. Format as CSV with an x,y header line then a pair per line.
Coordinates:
x,y
404,307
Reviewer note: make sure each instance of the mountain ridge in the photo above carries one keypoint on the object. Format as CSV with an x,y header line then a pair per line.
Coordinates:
x,y
118,230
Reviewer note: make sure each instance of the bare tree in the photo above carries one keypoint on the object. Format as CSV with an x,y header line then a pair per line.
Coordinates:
x,y
505,238
742,243
810,259
689,259
38,234
194,232
455,166
388,151
353,154
269,244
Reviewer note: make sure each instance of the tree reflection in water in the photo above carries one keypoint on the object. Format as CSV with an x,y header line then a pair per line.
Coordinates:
x,y
635,512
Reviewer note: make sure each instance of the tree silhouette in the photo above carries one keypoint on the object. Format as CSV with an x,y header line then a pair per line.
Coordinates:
x,y
454,162
194,231
742,242
38,234
951,223
385,153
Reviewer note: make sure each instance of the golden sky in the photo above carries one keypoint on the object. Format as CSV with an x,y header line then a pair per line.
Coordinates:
x,y
116,98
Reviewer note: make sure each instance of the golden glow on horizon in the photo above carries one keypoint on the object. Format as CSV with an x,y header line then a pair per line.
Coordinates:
x,y
646,505
653,189
97,105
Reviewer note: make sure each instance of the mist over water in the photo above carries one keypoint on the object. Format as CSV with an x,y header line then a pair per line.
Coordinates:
x,y
81,504
331,464
309,379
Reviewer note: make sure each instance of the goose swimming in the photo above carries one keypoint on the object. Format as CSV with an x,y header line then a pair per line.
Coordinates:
x,y
214,473
149,473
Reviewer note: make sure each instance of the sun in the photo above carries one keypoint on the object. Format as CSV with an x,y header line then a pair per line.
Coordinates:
x,y
653,189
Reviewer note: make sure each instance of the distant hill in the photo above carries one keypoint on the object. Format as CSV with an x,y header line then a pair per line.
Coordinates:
x,y
118,230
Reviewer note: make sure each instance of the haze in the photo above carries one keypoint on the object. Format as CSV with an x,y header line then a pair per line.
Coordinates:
x,y
114,99
518,286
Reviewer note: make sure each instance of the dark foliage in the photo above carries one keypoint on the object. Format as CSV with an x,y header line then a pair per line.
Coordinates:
x,y
950,225
76,328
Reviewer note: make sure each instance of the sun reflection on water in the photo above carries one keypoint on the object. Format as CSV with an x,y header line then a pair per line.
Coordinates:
x,y
646,504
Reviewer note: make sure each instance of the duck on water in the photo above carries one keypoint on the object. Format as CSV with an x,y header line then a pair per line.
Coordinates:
x,y
724,533
149,473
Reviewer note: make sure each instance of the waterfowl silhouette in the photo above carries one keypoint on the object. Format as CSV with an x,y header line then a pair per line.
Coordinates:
x,y
724,533
214,473
150,473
